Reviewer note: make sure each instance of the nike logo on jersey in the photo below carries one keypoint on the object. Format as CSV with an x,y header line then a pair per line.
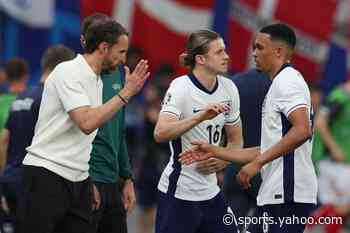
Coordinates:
x,y
195,110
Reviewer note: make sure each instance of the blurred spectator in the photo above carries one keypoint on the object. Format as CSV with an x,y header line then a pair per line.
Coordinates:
x,y
19,129
134,114
135,54
164,76
316,95
3,80
252,87
17,73
331,154
332,122
153,161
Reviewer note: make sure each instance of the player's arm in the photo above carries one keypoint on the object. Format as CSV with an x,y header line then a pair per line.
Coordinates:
x,y
234,140
322,124
4,142
169,127
235,143
88,119
233,127
234,135
298,134
203,150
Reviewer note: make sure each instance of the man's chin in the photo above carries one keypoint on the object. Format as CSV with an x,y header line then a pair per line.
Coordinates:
x,y
258,68
223,71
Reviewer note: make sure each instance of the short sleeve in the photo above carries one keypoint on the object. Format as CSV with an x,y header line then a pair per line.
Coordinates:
x,y
70,91
174,99
232,117
290,95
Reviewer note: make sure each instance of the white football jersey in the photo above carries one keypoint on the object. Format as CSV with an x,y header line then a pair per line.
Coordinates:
x,y
184,98
290,178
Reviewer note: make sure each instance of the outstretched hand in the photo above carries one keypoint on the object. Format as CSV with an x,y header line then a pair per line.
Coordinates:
x,y
201,151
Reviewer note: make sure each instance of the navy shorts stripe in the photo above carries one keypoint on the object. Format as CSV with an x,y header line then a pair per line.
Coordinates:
x,y
174,176
288,166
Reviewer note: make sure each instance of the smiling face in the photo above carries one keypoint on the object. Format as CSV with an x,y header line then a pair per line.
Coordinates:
x,y
216,60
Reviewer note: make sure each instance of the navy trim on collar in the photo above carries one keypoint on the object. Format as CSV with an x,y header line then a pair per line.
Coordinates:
x,y
200,86
282,68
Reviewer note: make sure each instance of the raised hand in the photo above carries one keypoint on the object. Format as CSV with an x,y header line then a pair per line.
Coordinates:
x,y
136,80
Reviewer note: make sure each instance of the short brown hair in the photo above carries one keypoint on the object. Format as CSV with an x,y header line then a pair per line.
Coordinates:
x,y
103,31
55,55
16,68
92,19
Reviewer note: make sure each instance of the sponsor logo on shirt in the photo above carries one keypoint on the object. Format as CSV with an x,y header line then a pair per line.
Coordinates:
x,y
116,86
22,105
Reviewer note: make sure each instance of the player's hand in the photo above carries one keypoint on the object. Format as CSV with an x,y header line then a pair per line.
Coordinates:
x,y
96,200
201,151
337,154
211,165
135,81
128,196
247,172
212,110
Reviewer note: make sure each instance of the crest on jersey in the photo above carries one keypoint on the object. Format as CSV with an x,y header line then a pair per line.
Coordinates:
x,y
229,104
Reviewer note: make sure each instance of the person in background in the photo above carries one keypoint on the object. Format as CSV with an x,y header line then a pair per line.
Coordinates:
x,y
252,87
110,168
59,195
19,128
17,75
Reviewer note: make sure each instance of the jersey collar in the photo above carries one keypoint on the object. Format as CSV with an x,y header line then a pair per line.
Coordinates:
x,y
200,86
282,68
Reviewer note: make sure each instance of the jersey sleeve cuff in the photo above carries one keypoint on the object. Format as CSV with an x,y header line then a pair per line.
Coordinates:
x,y
233,122
303,105
171,111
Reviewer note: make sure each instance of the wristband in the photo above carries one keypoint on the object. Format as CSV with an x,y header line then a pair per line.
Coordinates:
x,y
122,99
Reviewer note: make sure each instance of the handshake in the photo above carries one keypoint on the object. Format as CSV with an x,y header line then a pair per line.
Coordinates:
x,y
202,151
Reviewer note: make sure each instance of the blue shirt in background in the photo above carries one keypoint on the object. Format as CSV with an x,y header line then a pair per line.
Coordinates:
x,y
21,122
252,87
